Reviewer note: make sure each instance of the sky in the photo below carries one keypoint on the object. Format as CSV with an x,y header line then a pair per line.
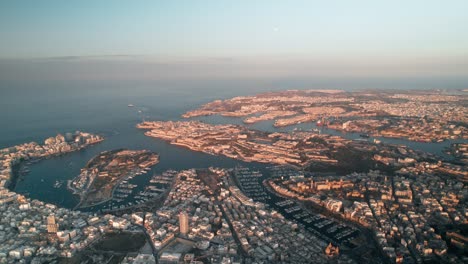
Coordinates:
x,y
231,39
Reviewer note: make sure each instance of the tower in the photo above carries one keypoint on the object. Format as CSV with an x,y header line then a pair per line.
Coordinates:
x,y
52,227
183,223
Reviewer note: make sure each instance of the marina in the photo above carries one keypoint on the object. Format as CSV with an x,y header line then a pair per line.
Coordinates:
x,y
329,229
128,194
249,182
106,176
158,184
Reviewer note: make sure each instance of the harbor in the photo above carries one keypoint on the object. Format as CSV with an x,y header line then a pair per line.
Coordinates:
x,y
327,228
106,176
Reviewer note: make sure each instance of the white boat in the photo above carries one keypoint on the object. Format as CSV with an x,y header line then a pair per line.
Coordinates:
x,y
57,184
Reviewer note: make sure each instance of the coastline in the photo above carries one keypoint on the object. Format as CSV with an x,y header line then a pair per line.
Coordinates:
x,y
90,172
15,170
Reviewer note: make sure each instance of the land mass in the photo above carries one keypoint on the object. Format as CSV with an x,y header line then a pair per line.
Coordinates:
x,y
425,116
103,173
305,150
14,157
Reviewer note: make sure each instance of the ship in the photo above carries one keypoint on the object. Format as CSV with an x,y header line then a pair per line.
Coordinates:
x,y
130,105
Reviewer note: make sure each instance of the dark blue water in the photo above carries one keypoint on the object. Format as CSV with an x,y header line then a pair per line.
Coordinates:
x,y
34,111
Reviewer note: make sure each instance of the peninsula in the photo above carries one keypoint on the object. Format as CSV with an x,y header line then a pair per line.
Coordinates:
x,y
305,150
419,115
103,173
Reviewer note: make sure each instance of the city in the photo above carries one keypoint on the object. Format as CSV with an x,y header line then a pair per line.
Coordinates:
x,y
330,197
234,132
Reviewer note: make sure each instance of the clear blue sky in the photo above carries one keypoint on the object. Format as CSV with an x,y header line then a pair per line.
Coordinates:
x,y
232,28
421,35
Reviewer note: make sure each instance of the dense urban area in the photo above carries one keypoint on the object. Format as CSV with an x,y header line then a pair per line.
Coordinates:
x,y
415,115
313,197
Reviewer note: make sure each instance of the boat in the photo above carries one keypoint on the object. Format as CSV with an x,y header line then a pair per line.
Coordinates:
x,y
360,140
364,135
130,105
58,184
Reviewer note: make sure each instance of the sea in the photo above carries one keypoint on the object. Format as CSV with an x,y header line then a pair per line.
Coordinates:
x,y
35,110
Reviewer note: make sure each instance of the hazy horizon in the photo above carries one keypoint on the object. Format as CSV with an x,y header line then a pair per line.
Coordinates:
x,y
222,40
147,68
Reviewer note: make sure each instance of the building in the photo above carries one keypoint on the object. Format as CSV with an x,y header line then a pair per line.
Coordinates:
x,y
183,223
332,250
52,227
144,259
170,258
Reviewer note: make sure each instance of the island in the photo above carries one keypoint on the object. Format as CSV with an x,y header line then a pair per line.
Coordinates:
x,y
98,179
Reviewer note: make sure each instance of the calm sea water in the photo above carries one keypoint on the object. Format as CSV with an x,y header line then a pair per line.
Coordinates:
x,y
34,111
